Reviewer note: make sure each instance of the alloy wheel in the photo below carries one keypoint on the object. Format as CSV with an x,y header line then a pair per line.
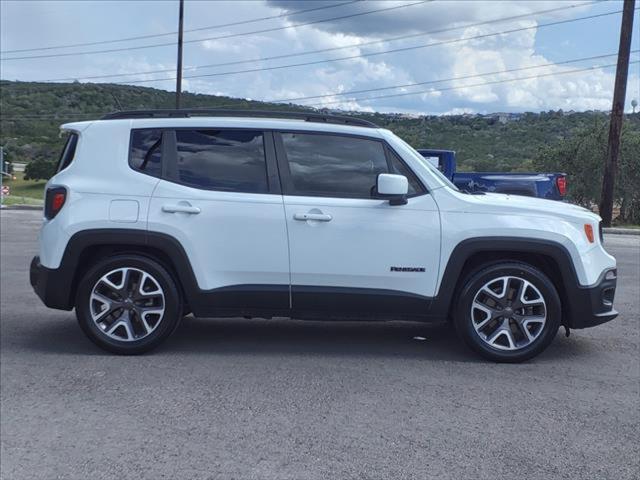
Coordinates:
x,y
127,304
508,313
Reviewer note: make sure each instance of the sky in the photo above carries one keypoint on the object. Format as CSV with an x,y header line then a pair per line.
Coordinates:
x,y
457,51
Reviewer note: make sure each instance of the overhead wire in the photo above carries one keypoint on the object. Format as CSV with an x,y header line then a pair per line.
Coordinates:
x,y
156,35
461,87
221,37
325,50
58,115
372,54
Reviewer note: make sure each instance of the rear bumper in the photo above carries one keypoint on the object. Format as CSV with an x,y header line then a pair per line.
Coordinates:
x,y
51,285
591,306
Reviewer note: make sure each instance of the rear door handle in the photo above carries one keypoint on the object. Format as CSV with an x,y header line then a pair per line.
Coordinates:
x,y
181,209
318,217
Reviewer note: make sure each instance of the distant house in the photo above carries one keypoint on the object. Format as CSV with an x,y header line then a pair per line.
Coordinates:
x,y
504,117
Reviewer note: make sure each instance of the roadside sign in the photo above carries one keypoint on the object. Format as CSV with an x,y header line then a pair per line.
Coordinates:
x,y
6,190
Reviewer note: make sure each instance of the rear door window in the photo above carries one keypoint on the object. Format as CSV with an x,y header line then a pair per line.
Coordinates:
x,y
226,160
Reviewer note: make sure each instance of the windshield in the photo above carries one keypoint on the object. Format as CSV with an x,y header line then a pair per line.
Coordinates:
x,y
428,165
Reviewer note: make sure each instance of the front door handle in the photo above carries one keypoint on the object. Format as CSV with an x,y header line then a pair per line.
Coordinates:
x,y
318,217
181,209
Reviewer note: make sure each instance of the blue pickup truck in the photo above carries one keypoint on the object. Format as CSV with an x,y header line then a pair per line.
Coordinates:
x,y
552,186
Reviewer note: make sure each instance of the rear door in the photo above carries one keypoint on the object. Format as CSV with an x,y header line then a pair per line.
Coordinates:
x,y
220,198
350,252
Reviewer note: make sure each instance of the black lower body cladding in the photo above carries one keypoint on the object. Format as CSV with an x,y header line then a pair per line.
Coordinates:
x,y
582,306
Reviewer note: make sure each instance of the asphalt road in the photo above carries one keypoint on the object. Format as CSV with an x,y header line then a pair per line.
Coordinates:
x,y
266,399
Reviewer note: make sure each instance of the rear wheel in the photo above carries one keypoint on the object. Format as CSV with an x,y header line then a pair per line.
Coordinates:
x,y
508,312
128,304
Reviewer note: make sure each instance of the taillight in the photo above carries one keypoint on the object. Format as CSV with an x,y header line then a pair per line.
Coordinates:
x,y
54,201
561,182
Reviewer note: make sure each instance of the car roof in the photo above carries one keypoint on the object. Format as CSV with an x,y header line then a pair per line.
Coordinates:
x,y
232,122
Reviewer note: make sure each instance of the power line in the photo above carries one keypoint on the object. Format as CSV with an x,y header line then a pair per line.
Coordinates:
x,y
442,80
232,35
406,94
462,77
156,35
593,67
331,49
373,54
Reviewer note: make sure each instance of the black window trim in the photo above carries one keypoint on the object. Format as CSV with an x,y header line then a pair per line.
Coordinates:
x,y
278,175
169,157
285,174
168,160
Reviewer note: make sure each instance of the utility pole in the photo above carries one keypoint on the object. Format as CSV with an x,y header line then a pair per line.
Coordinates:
x,y
179,66
617,111
2,174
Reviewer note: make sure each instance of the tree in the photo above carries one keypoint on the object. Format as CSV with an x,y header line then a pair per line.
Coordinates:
x,y
582,157
39,170
629,178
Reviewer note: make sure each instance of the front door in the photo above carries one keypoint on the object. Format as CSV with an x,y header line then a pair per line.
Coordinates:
x,y
350,252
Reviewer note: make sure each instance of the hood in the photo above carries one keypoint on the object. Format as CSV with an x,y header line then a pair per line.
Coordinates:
x,y
504,204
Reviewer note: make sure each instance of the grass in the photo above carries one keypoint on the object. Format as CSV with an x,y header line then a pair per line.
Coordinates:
x,y
25,188
13,200
25,192
625,225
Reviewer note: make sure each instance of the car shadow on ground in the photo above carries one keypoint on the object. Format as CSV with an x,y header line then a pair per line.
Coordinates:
x,y
429,341
330,338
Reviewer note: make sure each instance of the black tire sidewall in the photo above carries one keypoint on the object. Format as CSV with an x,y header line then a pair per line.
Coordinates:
x,y
464,324
168,324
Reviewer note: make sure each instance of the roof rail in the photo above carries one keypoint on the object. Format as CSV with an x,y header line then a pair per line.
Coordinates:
x,y
212,112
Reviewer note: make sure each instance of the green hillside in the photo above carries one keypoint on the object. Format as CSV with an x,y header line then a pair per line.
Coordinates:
x,y
32,112
574,143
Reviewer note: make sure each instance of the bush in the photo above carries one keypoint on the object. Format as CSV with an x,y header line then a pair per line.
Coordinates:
x,y
39,170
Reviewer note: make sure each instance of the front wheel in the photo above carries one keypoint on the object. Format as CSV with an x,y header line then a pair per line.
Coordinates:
x,y
508,312
128,304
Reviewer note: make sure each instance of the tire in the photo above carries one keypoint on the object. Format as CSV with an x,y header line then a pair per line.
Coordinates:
x,y
136,293
508,312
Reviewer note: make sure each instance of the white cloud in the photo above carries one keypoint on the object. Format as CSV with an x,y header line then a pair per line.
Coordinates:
x,y
26,24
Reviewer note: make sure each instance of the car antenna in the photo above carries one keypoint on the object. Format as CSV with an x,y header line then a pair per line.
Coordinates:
x,y
113,95
117,101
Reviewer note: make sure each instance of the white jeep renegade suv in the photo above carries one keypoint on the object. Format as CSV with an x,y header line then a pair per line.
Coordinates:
x,y
155,214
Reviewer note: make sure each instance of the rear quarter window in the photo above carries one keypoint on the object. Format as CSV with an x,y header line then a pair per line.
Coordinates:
x,y
68,152
145,154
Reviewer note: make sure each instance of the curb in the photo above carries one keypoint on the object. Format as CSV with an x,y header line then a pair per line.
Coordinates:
x,y
622,231
22,207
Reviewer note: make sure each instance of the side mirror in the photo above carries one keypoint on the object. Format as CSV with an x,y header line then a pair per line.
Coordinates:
x,y
393,187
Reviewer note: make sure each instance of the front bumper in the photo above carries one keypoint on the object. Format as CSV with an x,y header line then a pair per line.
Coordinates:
x,y
51,285
591,306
